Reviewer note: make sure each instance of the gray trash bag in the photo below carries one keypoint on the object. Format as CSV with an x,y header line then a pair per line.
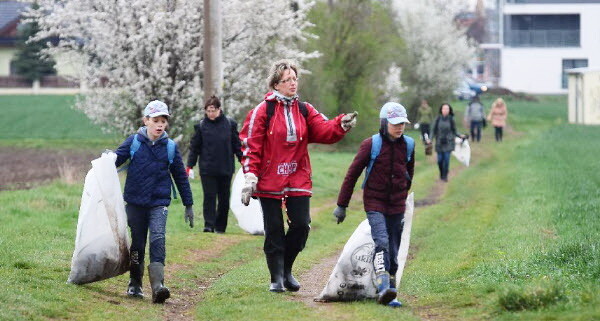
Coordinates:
x,y
101,244
353,277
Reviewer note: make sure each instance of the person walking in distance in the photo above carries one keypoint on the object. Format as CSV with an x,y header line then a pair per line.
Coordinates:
x,y
475,117
497,117
444,132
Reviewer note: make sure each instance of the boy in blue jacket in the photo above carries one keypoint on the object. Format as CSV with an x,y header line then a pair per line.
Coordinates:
x,y
154,159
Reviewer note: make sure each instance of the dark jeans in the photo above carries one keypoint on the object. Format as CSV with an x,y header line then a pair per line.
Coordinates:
x,y
140,221
443,159
216,187
498,133
386,231
476,130
425,130
277,242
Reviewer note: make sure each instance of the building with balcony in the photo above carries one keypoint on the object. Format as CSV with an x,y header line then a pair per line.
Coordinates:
x,y
539,39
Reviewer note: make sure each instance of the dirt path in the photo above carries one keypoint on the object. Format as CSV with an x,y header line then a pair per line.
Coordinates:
x,y
315,279
182,303
27,167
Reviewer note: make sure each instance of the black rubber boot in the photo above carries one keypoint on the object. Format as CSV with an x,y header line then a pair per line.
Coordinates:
x,y
160,293
136,274
275,264
289,282
441,168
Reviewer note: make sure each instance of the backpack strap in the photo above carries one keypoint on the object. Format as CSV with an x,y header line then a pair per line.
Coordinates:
x,y
135,145
271,110
171,146
410,147
376,143
171,150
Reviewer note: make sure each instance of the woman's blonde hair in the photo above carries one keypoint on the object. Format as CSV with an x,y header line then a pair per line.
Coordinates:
x,y
499,102
277,70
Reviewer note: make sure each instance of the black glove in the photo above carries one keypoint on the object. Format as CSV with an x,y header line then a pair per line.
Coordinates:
x,y
189,215
340,214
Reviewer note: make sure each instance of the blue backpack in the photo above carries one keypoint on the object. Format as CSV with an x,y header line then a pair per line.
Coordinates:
x,y
376,149
135,145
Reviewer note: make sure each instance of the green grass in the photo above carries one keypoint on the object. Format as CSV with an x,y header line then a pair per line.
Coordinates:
x,y
514,237
48,121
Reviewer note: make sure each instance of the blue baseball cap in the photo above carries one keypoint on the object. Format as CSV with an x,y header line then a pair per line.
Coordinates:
x,y
395,113
156,108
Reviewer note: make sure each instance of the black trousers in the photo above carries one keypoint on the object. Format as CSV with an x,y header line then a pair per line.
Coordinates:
x,y
498,133
277,242
216,187
424,130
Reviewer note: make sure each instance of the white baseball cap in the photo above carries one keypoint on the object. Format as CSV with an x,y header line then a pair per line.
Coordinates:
x,y
395,113
156,108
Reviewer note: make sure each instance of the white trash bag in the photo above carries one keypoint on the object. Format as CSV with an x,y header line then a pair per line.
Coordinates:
x,y
462,151
250,218
353,277
101,244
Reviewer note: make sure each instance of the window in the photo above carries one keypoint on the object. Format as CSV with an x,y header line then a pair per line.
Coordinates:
x,y
542,30
571,63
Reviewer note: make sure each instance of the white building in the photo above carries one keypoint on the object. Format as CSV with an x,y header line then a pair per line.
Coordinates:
x,y
584,96
540,39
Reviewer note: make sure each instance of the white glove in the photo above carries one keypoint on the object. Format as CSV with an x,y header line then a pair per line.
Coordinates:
x,y
349,121
249,187
191,174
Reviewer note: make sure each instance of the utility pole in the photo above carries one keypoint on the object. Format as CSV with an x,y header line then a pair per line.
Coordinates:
x,y
213,53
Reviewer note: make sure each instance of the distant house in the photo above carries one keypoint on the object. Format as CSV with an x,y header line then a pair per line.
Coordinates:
x,y
10,19
538,40
10,12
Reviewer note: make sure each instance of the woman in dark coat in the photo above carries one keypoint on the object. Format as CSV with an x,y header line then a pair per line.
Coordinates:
x,y
444,132
215,143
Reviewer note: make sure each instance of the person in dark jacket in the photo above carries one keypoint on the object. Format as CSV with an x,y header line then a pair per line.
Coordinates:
x,y
215,142
444,132
384,197
148,194
475,117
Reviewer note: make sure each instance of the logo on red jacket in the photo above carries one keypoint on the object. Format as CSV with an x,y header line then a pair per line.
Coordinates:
x,y
287,168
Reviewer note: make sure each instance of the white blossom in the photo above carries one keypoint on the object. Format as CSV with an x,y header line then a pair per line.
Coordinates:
x,y
438,50
136,51
392,86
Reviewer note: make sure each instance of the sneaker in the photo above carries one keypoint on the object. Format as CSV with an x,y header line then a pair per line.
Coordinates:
x,y
395,303
208,230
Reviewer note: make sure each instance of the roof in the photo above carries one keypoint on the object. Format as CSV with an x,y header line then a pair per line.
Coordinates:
x,y
10,11
582,70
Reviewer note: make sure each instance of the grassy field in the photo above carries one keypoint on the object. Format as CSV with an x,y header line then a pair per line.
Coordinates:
x,y
49,121
514,237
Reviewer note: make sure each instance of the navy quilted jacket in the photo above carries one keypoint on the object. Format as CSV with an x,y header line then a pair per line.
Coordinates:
x,y
148,182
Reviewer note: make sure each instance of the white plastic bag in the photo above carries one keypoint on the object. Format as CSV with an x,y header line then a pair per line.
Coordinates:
x,y
250,218
101,244
462,151
353,277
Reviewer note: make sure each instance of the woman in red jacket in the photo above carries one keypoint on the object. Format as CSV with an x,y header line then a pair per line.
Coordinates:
x,y
275,160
